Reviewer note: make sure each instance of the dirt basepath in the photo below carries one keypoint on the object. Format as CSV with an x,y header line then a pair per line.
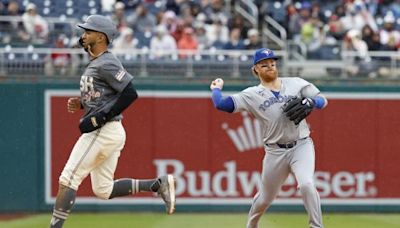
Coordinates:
x,y
8,217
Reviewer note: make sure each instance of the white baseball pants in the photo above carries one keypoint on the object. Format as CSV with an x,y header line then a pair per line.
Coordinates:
x,y
95,153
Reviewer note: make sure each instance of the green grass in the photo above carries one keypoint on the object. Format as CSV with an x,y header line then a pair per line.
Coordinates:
x,y
204,220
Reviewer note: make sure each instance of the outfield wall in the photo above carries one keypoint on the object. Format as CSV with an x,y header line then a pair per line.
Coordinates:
x,y
215,156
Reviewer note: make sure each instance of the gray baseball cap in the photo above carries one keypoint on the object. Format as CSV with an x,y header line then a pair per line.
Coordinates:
x,y
101,24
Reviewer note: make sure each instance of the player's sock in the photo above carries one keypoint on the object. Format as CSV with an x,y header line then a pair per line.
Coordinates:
x,y
149,185
64,203
124,187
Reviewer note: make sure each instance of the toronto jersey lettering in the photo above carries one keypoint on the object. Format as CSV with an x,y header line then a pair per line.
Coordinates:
x,y
266,106
101,83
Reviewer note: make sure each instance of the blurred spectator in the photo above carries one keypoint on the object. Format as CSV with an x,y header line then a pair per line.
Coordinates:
x,y
201,35
195,9
174,5
340,11
353,42
2,8
216,10
312,35
389,36
141,20
359,61
188,20
119,15
316,12
372,6
235,42
357,16
253,40
385,6
125,40
237,21
177,34
13,30
107,5
187,42
185,10
162,42
218,34
335,27
292,20
170,21
59,62
12,9
300,21
371,38
35,25
131,4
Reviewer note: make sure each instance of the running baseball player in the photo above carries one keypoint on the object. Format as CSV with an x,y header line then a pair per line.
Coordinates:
x,y
106,91
281,104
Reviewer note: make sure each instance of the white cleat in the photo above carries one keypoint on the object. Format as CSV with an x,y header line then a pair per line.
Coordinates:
x,y
167,192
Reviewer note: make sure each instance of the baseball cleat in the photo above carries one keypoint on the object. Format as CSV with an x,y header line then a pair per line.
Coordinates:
x,y
167,192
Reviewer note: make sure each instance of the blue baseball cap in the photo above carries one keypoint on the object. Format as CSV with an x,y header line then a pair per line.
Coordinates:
x,y
263,53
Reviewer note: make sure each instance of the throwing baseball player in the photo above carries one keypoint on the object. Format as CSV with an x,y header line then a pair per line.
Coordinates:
x,y
281,104
106,91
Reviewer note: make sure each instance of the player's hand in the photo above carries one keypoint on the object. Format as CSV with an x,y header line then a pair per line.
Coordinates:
x,y
217,83
74,104
93,122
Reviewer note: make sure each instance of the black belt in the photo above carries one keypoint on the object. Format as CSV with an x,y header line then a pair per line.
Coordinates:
x,y
285,145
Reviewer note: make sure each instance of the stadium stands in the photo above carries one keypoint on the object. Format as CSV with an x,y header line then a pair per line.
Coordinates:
x,y
316,30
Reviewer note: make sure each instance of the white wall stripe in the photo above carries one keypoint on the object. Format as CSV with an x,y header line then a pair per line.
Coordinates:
x,y
205,94
232,201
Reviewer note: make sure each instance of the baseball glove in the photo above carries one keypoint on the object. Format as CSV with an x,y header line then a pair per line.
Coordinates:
x,y
297,108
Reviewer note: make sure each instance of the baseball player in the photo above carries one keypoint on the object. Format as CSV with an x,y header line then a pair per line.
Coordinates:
x,y
106,91
280,104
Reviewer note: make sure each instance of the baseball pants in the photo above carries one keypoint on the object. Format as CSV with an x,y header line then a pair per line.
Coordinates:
x,y
277,164
95,153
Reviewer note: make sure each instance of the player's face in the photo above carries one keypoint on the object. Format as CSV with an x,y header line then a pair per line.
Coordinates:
x,y
266,70
90,38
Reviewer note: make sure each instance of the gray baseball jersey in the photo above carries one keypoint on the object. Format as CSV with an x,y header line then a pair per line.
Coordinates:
x,y
101,83
266,107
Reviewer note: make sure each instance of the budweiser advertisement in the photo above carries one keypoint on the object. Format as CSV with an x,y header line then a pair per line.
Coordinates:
x,y
217,157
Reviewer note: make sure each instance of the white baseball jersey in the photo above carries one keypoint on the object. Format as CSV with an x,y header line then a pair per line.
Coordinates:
x,y
266,107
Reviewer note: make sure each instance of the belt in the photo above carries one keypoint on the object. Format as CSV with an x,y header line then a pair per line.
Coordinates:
x,y
284,145
287,145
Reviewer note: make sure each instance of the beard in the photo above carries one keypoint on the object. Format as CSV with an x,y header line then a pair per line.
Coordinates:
x,y
269,76
82,44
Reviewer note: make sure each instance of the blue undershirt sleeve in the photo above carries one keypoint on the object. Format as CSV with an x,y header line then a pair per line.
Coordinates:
x,y
222,103
319,102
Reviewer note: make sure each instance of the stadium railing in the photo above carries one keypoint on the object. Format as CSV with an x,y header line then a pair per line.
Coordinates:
x,y
42,63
